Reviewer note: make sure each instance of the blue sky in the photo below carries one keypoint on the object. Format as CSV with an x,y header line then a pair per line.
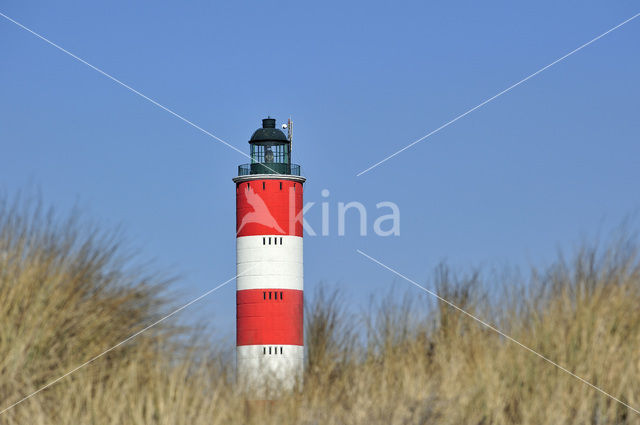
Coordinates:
x,y
555,160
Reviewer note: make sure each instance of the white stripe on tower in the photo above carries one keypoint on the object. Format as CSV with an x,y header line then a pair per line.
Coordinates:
x,y
269,261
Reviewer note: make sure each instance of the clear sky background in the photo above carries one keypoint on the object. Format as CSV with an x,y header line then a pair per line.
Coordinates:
x,y
551,162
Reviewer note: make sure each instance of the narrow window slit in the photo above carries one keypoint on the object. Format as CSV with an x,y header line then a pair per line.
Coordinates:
x,y
280,295
280,350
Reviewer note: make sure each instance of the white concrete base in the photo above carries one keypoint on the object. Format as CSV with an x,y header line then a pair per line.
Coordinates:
x,y
265,374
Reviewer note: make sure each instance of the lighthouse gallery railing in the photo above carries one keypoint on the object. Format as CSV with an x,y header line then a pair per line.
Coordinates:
x,y
269,168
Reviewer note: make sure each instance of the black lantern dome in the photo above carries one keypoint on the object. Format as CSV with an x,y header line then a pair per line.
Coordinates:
x,y
268,132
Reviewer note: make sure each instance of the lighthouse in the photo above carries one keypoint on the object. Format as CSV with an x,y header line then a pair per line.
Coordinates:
x,y
269,300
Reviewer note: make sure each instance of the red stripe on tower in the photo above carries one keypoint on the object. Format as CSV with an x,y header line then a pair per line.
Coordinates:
x,y
269,298
268,207
269,316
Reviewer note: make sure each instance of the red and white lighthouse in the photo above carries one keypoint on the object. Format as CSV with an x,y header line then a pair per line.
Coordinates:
x,y
269,301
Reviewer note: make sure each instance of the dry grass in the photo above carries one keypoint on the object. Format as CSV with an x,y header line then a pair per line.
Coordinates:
x,y
66,294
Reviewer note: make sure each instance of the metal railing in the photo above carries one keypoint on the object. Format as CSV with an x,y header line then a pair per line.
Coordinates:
x,y
270,168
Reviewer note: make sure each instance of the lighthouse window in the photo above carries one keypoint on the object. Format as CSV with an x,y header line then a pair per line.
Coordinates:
x,y
264,350
262,185
264,241
269,294
281,241
264,295
280,185
270,153
280,295
269,350
248,186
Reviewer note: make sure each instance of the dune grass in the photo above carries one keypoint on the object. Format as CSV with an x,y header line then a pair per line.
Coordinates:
x,y
68,292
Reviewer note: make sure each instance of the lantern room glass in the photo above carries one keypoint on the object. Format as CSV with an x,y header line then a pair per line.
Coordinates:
x,y
270,153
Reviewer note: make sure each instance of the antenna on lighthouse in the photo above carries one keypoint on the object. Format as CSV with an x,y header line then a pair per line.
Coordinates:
x,y
289,127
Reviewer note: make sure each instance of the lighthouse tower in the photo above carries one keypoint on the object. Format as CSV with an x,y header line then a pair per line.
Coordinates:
x,y
269,344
